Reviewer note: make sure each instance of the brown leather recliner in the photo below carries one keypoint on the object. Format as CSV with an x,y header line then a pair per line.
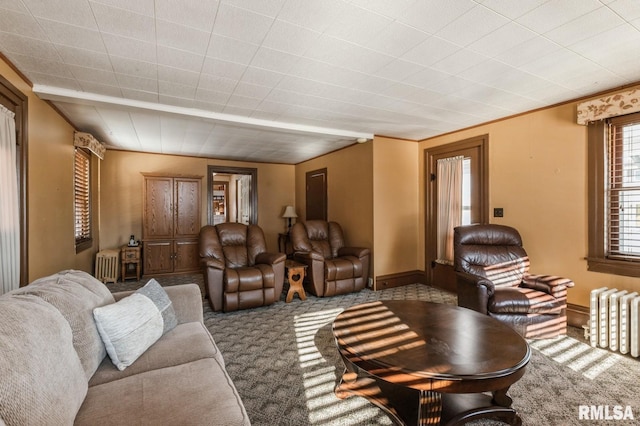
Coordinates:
x,y
492,272
332,268
239,273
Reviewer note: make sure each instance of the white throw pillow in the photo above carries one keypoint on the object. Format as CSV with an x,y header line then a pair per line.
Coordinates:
x,y
134,323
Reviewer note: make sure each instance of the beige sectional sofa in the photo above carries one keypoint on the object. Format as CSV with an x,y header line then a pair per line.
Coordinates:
x,y
55,370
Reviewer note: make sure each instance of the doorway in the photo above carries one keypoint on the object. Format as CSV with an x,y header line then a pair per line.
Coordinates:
x,y
468,200
232,195
220,198
316,194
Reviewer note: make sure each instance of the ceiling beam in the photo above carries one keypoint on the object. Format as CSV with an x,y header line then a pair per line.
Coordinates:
x,y
56,94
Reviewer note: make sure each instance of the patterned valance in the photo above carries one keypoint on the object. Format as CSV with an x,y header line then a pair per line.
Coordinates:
x,y
86,140
611,105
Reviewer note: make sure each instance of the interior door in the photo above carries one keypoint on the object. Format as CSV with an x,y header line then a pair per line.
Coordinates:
x,y
316,194
439,273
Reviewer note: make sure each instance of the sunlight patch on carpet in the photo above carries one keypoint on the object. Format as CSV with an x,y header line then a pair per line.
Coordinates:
x,y
320,376
578,356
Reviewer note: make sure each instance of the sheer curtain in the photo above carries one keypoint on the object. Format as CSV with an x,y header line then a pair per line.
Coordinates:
x,y
449,172
9,205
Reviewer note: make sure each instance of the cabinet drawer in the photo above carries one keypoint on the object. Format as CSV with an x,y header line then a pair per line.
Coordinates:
x,y
131,254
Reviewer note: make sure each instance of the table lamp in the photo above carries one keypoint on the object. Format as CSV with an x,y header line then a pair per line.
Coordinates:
x,y
289,212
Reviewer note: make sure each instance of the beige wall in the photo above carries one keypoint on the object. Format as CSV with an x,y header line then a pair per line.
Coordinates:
x,y
121,192
50,187
537,173
349,191
396,212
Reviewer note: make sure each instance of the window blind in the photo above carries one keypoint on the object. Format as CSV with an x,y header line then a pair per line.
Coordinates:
x,y
623,222
81,188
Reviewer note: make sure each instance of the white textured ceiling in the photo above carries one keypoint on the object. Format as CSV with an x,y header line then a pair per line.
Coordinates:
x,y
287,80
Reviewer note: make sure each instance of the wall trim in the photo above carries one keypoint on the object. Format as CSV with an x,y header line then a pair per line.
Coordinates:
x,y
577,315
400,279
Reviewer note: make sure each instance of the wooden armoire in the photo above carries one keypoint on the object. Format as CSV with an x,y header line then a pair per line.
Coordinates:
x,y
171,221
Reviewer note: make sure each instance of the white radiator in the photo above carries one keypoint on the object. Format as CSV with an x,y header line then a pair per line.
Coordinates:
x,y
107,266
614,320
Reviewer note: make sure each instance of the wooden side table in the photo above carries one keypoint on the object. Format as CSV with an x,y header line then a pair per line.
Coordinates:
x,y
130,260
284,245
295,275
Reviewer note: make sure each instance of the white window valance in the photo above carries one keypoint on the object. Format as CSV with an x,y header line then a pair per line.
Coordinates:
x,y
86,140
610,105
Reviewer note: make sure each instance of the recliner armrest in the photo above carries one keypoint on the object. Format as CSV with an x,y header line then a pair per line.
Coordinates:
x,y
270,258
211,262
551,284
353,251
474,291
476,281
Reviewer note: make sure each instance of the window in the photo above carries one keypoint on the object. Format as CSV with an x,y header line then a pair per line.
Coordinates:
x,y
82,199
614,195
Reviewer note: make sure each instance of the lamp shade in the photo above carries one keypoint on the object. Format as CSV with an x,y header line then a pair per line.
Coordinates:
x,y
289,212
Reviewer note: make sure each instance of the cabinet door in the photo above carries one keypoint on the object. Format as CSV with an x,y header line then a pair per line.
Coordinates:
x,y
158,208
187,199
158,257
187,256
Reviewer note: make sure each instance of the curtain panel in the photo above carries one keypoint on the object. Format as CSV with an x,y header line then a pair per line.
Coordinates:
x,y
9,204
449,173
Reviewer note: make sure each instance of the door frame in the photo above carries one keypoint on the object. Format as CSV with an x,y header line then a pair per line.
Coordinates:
x,y
479,144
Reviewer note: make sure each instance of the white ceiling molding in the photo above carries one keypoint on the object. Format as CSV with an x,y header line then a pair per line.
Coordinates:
x,y
56,94
611,105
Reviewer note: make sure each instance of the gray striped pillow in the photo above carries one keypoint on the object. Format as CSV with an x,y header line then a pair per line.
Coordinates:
x,y
134,323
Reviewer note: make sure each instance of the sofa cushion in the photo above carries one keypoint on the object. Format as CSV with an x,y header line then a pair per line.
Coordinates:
x,y
134,323
154,291
42,378
196,393
192,339
75,294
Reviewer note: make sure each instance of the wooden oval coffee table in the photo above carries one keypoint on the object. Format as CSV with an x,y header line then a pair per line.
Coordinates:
x,y
428,363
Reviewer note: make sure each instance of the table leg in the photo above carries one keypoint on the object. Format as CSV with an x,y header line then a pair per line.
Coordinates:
x,y
403,405
501,398
430,408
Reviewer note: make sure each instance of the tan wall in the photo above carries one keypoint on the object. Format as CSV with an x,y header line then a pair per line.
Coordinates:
x,y
349,191
537,173
396,211
50,187
121,192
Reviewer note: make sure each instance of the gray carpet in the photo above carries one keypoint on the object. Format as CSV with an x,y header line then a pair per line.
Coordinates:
x,y
284,363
